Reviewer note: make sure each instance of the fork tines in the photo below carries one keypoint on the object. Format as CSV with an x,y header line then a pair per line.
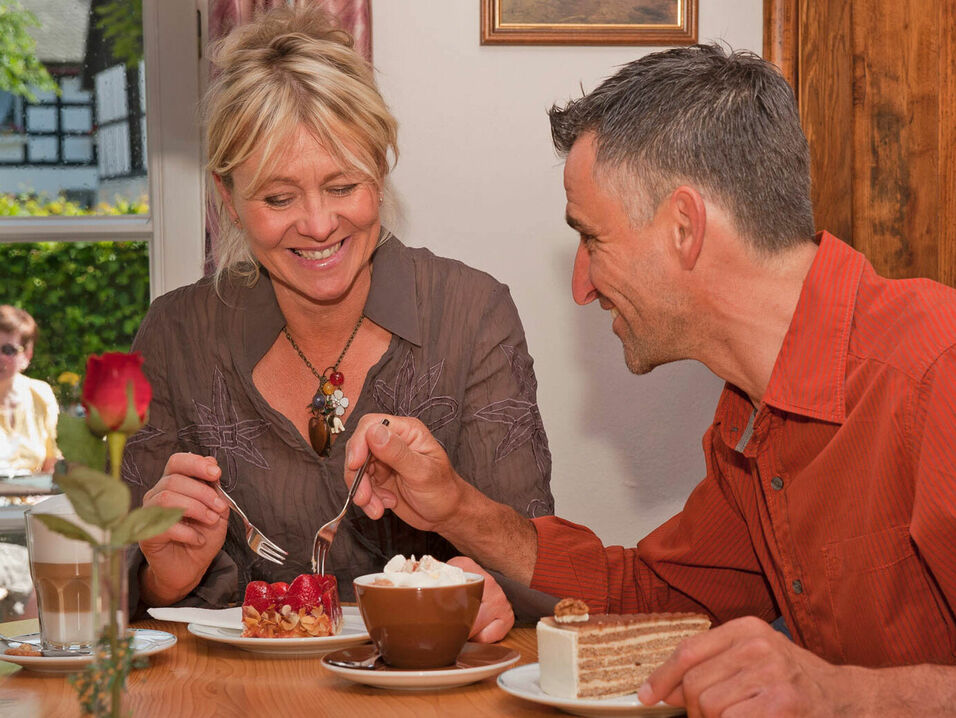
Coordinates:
x,y
267,549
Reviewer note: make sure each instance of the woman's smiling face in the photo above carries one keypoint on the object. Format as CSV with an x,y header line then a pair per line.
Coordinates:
x,y
311,223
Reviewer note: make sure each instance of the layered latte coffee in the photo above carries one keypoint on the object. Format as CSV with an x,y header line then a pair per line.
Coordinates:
x,y
62,571
64,601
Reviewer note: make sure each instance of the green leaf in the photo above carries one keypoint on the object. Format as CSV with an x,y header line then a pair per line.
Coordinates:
x,y
144,523
97,498
64,527
77,442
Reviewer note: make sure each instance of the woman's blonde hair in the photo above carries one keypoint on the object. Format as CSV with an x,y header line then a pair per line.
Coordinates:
x,y
290,67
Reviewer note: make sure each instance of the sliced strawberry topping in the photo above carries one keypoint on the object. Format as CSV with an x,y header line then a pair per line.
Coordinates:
x,y
279,590
330,598
326,581
305,592
259,595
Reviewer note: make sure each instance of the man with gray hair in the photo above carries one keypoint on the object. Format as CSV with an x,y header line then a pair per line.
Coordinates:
x,y
830,494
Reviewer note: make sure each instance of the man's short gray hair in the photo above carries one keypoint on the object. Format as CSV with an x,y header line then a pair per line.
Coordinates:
x,y
724,123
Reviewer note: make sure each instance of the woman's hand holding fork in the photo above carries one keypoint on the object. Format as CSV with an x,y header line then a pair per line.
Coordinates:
x,y
178,558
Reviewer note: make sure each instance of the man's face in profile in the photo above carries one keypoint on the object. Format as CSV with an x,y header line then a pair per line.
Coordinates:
x,y
622,267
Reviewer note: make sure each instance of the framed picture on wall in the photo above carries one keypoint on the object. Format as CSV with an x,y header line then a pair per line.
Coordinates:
x,y
588,22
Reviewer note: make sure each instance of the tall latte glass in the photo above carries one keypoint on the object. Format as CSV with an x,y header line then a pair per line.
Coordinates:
x,y
62,571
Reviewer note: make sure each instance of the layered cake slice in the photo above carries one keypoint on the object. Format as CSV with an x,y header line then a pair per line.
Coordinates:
x,y
605,655
308,608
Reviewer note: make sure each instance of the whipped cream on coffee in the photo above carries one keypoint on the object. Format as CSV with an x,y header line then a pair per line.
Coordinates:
x,y
420,573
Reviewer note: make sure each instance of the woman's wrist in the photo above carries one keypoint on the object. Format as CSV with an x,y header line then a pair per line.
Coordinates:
x,y
154,592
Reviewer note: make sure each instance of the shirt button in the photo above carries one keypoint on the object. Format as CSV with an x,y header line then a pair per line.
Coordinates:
x,y
777,483
797,586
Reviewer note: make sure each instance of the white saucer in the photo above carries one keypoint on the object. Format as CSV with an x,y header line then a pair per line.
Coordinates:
x,y
475,662
146,642
523,682
353,632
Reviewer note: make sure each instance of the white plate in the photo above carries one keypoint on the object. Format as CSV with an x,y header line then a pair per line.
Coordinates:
x,y
523,682
475,662
353,632
146,642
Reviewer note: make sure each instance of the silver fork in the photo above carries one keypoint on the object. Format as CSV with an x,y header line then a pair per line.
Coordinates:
x,y
326,534
257,540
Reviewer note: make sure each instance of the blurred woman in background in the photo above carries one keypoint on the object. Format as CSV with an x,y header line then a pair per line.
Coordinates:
x,y
28,408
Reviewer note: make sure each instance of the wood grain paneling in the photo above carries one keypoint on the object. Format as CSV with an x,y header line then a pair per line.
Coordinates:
x,y
947,142
781,42
876,84
825,91
895,135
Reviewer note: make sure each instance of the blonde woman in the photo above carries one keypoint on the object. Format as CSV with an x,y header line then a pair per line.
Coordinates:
x,y
316,315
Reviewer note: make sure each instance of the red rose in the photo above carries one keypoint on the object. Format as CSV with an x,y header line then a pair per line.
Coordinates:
x,y
108,406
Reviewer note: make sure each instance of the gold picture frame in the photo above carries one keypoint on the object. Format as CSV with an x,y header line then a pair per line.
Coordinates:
x,y
589,22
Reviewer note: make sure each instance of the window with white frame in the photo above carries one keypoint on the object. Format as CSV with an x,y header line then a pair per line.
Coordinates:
x,y
101,198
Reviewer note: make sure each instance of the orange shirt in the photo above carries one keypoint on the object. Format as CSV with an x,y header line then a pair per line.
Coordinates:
x,y
833,505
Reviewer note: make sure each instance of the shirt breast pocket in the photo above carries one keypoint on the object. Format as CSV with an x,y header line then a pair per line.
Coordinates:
x,y
886,608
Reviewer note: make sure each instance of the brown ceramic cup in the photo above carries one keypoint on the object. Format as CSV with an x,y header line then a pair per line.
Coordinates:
x,y
419,627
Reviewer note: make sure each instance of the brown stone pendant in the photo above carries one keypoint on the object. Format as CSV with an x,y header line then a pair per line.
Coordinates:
x,y
319,435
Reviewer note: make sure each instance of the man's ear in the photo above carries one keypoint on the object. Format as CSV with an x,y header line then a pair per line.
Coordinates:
x,y
226,195
689,214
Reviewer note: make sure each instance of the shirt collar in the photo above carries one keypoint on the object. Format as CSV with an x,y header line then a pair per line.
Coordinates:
x,y
392,302
809,375
393,297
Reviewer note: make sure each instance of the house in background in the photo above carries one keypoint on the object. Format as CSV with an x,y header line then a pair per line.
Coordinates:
x,y
87,144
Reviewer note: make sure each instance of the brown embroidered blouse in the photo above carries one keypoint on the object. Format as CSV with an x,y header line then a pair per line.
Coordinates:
x,y
457,361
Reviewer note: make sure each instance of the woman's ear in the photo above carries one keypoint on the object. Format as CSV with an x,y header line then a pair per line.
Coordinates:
x,y
223,188
690,223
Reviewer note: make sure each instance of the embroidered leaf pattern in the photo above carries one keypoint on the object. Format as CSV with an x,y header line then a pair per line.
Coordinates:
x,y
520,414
412,395
220,430
130,470
521,369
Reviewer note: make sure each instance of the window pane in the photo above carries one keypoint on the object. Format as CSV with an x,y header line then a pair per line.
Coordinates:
x,y
77,149
41,119
42,150
74,127
76,119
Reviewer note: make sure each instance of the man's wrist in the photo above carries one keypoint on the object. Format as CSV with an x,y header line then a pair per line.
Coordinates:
x,y
493,534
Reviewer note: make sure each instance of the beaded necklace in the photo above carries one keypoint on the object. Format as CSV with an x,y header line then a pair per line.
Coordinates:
x,y
329,403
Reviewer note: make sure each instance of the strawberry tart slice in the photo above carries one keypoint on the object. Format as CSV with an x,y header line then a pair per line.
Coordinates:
x,y
306,609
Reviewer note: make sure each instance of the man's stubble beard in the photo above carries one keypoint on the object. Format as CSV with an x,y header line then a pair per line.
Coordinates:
x,y
644,354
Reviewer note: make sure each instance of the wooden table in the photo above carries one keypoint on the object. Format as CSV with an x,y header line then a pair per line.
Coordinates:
x,y
201,678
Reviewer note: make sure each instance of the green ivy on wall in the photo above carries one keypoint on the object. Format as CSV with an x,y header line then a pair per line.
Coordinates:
x,y
86,297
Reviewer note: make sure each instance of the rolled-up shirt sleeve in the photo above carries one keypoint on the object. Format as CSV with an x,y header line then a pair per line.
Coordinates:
x,y
700,560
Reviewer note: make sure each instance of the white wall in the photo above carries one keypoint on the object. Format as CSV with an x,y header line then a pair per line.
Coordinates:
x,y
478,180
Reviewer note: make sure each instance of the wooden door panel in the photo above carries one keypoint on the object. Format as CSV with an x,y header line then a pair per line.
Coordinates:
x,y
947,143
825,92
895,133
876,84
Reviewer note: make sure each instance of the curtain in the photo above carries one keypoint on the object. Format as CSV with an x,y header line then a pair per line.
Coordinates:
x,y
353,15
